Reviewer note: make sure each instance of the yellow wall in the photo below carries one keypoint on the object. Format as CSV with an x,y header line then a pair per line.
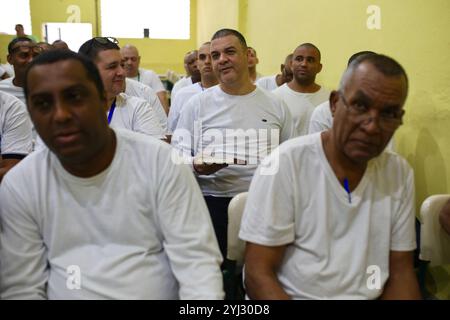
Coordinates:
x,y
415,32
213,15
159,55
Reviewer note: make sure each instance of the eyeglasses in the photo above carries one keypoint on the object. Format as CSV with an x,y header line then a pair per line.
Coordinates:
x,y
101,41
388,120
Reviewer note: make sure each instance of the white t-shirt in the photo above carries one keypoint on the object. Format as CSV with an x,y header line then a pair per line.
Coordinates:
x,y
136,115
15,126
183,82
140,90
8,86
138,230
183,96
150,78
331,242
248,127
321,118
9,69
301,105
269,83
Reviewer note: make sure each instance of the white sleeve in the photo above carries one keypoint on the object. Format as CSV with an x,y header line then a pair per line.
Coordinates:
x,y
321,118
189,238
155,103
184,137
288,130
155,83
145,120
15,133
23,255
174,112
269,214
403,228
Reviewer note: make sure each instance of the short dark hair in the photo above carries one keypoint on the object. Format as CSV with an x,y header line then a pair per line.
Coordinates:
x,y
384,64
310,45
56,55
357,54
92,47
18,39
230,32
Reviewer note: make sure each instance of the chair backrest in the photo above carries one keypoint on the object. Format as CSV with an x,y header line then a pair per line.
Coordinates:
x,y
435,242
235,246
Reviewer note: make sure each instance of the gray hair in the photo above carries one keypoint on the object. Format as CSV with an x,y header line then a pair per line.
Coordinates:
x,y
384,64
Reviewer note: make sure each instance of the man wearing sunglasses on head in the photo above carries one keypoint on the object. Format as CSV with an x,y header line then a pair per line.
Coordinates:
x,y
21,52
123,111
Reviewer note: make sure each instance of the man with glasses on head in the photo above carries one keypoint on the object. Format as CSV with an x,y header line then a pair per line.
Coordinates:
x,y
123,111
101,213
21,52
343,227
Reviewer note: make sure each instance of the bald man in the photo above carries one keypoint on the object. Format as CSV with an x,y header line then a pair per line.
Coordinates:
x,y
148,77
192,72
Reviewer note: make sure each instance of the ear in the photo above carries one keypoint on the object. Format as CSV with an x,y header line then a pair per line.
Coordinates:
x,y
320,67
334,97
9,59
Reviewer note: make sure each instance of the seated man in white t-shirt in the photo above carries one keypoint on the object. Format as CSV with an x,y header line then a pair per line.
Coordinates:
x,y
15,132
148,77
101,213
225,132
343,225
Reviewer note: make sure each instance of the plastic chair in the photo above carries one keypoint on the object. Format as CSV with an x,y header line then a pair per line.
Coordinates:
x,y
435,242
234,261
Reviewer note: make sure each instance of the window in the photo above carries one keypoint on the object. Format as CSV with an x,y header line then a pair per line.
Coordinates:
x,y
15,12
74,34
156,19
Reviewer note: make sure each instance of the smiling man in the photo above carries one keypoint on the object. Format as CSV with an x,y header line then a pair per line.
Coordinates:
x,y
101,201
124,111
347,207
233,120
